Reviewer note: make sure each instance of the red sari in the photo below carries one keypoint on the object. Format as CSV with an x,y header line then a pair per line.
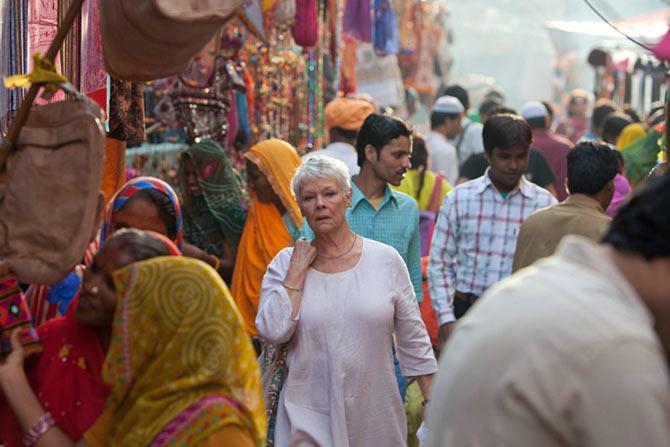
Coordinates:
x,y
66,379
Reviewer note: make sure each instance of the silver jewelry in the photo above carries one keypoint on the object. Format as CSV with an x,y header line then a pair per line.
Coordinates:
x,y
94,290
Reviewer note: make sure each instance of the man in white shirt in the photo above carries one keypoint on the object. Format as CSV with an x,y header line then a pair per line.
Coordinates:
x,y
469,140
445,123
571,351
343,119
475,235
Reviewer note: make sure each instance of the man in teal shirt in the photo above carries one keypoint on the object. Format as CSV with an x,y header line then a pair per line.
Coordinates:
x,y
384,148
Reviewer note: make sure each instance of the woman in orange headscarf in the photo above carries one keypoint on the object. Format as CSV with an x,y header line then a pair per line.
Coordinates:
x,y
273,222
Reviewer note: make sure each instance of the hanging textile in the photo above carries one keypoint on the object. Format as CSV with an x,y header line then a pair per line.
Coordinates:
x,y
92,73
69,55
358,19
42,27
386,39
126,111
13,55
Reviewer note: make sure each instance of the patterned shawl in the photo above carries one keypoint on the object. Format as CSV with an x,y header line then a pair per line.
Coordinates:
x,y
180,364
218,216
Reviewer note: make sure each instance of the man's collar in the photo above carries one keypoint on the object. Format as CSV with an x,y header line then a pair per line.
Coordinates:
x,y
357,195
584,201
524,186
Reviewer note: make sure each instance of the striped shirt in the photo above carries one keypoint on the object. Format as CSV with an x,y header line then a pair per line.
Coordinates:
x,y
394,223
475,238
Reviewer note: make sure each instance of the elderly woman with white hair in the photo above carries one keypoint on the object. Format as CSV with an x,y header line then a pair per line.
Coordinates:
x,y
337,301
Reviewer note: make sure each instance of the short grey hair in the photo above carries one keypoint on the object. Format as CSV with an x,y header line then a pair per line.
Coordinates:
x,y
321,167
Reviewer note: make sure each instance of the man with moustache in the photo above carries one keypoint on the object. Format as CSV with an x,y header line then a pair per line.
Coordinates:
x,y
384,148
475,236
572,351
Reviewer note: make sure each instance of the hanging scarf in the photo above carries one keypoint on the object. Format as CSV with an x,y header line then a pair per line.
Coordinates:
x,y
212,380
264,232
218,216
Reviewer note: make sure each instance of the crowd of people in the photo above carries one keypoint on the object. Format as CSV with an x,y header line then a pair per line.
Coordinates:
x,y
307,301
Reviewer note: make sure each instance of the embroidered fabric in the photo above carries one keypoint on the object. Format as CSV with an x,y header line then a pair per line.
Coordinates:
x,y
202,110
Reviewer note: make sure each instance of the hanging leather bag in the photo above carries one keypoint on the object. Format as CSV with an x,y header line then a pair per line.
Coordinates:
x,y
151,39
51,202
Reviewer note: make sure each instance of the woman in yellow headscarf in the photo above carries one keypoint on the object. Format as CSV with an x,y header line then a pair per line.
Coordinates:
x,y
629,135
181,369
273,222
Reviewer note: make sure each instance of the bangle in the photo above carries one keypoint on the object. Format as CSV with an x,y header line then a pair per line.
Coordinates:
x,y
425,402
291,288
43,424
217,263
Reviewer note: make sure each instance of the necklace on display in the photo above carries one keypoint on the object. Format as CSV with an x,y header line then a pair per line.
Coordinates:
x,y
342,254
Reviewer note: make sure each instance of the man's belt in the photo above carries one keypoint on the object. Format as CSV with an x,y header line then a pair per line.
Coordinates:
x,y
465,297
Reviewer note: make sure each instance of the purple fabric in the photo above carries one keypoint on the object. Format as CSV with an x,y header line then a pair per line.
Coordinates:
x,y
386,28
357,20
621,190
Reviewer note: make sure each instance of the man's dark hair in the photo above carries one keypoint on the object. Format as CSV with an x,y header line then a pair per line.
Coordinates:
x,y
343,134
419,152
641,225
438,118
377,131
419,159
550,109
600,112
591,166
539,122
488,106
506,131
632,113
457,92
501,110
166,210
613,125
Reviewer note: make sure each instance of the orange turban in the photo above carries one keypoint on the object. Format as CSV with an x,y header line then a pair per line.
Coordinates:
x,y
347,113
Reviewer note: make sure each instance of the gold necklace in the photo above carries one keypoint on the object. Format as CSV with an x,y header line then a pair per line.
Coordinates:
x,y
343,254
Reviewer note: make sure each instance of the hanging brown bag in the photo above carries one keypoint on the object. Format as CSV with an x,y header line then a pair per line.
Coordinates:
x,y
51,201
144,40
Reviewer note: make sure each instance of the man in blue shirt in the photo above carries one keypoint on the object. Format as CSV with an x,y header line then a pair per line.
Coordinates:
x,y
384,148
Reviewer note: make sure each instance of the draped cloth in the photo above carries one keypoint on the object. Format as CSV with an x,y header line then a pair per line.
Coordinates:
x,y
201,377
217,217
629,135
264,233
67,376
129,190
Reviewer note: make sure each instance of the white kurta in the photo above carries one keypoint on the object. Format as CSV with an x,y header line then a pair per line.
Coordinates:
x,y
341,388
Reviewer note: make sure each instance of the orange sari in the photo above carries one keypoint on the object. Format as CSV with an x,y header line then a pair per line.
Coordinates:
x,y
264,233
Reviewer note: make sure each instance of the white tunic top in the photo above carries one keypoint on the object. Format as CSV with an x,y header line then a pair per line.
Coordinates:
x,y
341,388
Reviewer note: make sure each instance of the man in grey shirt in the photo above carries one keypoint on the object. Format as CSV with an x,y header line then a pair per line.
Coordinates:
x,y
570,351
469,141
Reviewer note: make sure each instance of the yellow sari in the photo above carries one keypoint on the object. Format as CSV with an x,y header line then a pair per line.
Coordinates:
x,y
180,364
264,233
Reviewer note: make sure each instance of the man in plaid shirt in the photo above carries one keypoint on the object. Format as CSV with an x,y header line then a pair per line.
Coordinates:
x,y
475,236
